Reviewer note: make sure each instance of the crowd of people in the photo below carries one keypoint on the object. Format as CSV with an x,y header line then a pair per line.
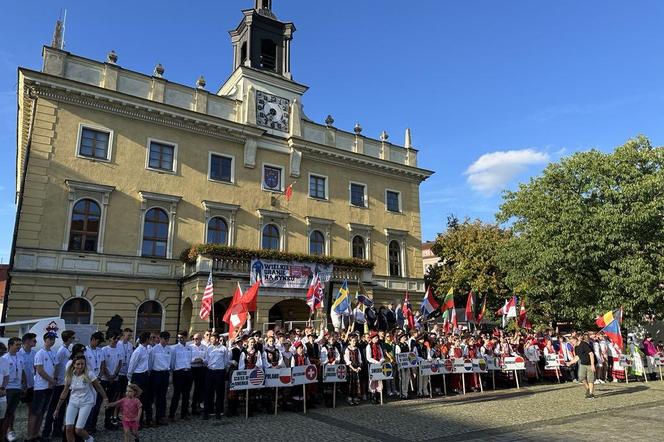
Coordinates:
x,y
66,390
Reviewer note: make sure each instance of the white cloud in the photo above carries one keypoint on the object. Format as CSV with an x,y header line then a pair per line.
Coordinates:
x,y
491,172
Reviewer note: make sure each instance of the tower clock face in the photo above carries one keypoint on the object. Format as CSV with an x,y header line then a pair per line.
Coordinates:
x,y
272,112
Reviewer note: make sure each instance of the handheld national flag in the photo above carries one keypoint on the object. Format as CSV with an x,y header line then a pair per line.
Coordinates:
x,y
250,297
315,294
607,318
612,329
208,298
470,307
236,315
523,317
448,302
429,303
341,304
408,312
365,300
482,311
511,308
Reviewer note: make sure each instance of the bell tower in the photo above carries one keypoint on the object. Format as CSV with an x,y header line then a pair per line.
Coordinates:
x,y
261,41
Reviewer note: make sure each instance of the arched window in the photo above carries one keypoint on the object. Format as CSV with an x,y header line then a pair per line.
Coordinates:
x,y
76,311
148,317
271,237
359,250
268,54
395,258
316,243
217,231
84,229
155,233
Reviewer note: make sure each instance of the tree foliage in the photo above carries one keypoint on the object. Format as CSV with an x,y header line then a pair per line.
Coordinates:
x,y
468,253
589,234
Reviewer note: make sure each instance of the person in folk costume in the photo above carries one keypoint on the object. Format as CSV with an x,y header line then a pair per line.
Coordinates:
x,y
532,353
436,353
456,352
364,374
550,373
286,360
617,371
403,346
374,355
234,362
271,359
472,379
388,351
312,350
422,352
251,358
329,355
353,359
299,359
567,351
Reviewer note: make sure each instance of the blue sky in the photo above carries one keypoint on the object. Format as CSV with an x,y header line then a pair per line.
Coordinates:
x,y
491,90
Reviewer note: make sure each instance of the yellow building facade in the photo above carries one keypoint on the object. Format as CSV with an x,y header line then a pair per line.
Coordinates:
x,y
120,172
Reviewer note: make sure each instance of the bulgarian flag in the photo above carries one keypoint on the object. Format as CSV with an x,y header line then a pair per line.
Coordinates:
x,y
448,302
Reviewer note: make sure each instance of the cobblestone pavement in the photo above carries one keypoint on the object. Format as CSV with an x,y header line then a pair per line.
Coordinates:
x,y
547,412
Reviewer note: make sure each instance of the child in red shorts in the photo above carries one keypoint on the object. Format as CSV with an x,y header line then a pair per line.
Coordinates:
x,y
130,408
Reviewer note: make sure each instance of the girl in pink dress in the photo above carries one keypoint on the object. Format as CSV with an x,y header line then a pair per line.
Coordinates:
x,y
130,408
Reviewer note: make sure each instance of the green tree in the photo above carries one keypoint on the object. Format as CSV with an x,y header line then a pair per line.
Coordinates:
x,y
589,234
468,253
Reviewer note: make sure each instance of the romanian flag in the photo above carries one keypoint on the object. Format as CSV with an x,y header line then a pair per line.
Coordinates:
x,y
612,328
448,302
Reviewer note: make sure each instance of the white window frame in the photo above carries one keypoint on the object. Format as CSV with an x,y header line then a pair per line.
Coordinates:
x,y
366,194
281,183
225,155
228,226
327,184
398,192
109,151
175,156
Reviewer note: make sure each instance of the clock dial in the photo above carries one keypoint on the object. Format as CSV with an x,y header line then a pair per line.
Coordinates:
x,y
272,112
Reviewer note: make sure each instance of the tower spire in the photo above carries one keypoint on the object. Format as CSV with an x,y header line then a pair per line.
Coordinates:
x,y
58,41
264,7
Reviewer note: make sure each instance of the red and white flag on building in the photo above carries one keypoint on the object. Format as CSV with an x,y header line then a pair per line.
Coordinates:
x,y
208,298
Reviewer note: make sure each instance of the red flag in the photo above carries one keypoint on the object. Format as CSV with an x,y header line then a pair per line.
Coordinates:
x,y
208,298
289,192
482,311
236,297
455,324
470,307
250,297
408,312
237,313
523,317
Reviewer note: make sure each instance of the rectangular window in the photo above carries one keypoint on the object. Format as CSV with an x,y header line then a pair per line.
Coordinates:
x,y
392,201
317,187
357,195
221,168
162,156
94,144
272,178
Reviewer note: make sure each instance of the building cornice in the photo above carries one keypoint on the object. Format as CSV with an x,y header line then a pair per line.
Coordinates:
x,y
358,160
73,92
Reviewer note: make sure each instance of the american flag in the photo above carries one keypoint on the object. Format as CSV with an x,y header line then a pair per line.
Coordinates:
x,y
206,302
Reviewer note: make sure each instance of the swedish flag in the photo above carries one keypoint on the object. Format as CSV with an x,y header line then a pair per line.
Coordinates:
x,y
341,304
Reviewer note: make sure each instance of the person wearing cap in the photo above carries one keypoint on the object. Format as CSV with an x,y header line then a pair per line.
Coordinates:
x,y
388,351
216,359
94,357
44,381
54,426
182,379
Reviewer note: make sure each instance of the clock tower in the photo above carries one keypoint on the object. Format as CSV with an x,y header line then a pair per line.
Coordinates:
x,y
262,77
